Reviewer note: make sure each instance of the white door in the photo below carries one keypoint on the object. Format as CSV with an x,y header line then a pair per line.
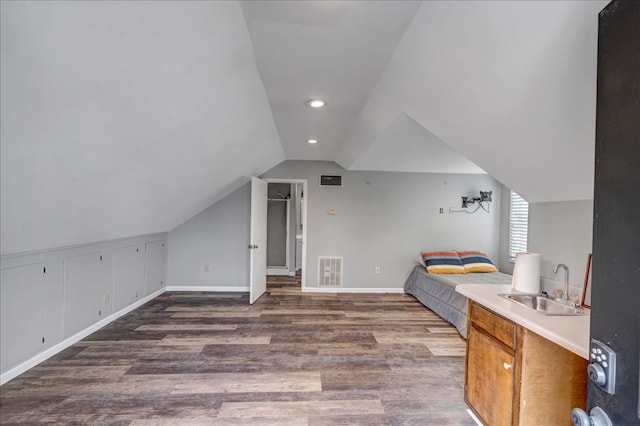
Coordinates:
x,y
258,243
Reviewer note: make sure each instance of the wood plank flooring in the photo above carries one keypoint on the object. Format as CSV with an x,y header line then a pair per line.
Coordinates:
x,y
290,359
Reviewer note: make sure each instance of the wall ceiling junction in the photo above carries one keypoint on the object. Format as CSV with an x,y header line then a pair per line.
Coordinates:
x,y
128,118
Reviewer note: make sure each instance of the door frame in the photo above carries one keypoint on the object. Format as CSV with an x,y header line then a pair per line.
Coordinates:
x,y
305,224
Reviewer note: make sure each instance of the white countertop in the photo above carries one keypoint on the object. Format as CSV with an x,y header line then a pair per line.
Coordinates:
x,y
570,332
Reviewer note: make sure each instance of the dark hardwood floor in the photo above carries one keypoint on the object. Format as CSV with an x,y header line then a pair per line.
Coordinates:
x,y
290,359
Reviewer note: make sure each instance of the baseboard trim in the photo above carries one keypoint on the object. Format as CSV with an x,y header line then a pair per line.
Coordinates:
x,y
351,290
58,347
474,417
48,353
208,288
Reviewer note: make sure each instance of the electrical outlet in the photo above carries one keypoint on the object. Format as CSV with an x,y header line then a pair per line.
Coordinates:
x,y
377,269
207,268
106,296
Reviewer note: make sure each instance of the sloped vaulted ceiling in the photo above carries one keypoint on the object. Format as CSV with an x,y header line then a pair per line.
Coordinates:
x,y
124,118
510,85
127,118
334,50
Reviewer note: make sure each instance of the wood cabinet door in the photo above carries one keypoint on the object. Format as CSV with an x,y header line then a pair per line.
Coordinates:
x,y
489,379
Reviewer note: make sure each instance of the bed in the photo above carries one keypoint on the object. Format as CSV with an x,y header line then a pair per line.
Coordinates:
x,y
437,292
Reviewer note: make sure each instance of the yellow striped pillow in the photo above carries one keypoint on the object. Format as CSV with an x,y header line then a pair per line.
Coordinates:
x,y
442,262
476,261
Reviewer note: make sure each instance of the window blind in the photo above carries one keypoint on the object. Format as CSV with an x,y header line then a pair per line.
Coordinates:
x,y
518,225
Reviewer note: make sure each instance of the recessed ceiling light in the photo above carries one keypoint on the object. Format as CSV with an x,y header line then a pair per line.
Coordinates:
x,y
312,141
315,103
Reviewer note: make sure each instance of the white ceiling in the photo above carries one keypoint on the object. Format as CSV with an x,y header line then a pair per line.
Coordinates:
x,y
127,118
507,87
510,85
406,146
333,50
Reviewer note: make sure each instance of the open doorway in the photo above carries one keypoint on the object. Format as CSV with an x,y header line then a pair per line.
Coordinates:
x,y
286,234
281,229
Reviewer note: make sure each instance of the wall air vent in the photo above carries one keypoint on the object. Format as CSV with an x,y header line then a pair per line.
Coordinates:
x,y
330,180
329,271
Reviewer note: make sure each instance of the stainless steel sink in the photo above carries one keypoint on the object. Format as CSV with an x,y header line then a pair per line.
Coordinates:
x,y
544,305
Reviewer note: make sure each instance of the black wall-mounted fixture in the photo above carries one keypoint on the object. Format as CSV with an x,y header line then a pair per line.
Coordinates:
x,y
481,202
484,196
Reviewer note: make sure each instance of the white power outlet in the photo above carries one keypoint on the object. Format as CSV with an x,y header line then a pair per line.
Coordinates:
x,y
377,269
106,296
207,268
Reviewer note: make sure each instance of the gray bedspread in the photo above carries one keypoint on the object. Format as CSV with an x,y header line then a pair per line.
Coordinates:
x,y
437,292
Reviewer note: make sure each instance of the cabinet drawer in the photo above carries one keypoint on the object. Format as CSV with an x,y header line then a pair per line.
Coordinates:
x,y
496,326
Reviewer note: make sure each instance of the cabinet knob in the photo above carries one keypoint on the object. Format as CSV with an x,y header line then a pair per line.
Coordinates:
x,y
506,365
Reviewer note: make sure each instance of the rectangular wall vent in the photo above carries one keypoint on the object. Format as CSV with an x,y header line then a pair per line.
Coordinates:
x,y
330,180
329,271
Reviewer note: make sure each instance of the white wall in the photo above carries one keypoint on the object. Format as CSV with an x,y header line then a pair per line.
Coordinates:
x,y
382,219
50,296
562,233
217,237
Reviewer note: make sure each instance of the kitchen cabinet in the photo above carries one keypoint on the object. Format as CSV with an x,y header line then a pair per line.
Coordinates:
x,y
516,377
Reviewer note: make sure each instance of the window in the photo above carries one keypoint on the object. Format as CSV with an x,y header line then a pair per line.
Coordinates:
x,y
518,225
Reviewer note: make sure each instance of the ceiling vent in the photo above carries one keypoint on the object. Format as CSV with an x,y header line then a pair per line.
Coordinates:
x,y
330,180
329,271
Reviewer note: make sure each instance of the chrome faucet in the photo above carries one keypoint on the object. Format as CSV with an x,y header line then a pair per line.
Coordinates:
x,y
565,295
